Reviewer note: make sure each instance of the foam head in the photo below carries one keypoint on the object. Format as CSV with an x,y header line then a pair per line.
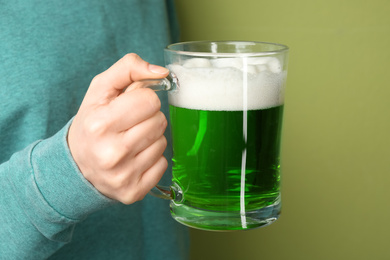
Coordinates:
x,y
228,83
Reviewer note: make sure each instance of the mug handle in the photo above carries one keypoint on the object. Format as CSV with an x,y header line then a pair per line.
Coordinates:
x,y
169,193
170,83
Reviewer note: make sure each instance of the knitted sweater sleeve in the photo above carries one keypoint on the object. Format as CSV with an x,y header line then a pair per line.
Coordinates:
x,y
43,196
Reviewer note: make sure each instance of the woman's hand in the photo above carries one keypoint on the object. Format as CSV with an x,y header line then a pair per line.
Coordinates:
x,y
117,138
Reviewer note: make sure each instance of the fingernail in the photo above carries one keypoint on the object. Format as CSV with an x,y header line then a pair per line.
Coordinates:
x,y
158,69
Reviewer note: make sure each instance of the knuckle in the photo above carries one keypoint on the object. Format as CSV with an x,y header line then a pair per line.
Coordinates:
x,y
132,58
99,80
108,158
130,148
149,139
147,99
164,163
96,78
132,197
119,186
105,164
117,183
138,196
163,120
126,199
165,142
95,126
153,99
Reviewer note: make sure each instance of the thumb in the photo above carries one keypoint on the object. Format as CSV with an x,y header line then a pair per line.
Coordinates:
x,y
110,83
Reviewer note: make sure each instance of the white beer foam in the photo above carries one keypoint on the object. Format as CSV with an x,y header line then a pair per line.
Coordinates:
x,y
228,84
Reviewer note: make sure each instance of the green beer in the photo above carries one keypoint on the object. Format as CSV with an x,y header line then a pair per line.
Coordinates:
x,y
226,121
226,161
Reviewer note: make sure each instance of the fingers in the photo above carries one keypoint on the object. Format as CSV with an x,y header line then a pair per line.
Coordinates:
x,y
152,176
148,157
146,171
133,107
142,135
110,83
155,165
145,164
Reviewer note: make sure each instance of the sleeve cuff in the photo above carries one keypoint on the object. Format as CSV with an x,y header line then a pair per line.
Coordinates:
x,y
60,181
50,188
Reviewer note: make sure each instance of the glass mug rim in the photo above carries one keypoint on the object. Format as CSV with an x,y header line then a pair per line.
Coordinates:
x,y
275,48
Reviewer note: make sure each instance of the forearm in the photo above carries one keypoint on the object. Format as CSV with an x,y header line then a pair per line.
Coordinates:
x,y
43,196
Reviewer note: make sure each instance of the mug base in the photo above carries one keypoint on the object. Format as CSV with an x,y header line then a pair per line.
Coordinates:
x,y
225,221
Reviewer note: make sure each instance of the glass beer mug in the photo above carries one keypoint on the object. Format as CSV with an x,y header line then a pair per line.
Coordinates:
x,y
226,107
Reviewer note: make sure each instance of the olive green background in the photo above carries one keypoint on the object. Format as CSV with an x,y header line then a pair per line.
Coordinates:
x,y
336,145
